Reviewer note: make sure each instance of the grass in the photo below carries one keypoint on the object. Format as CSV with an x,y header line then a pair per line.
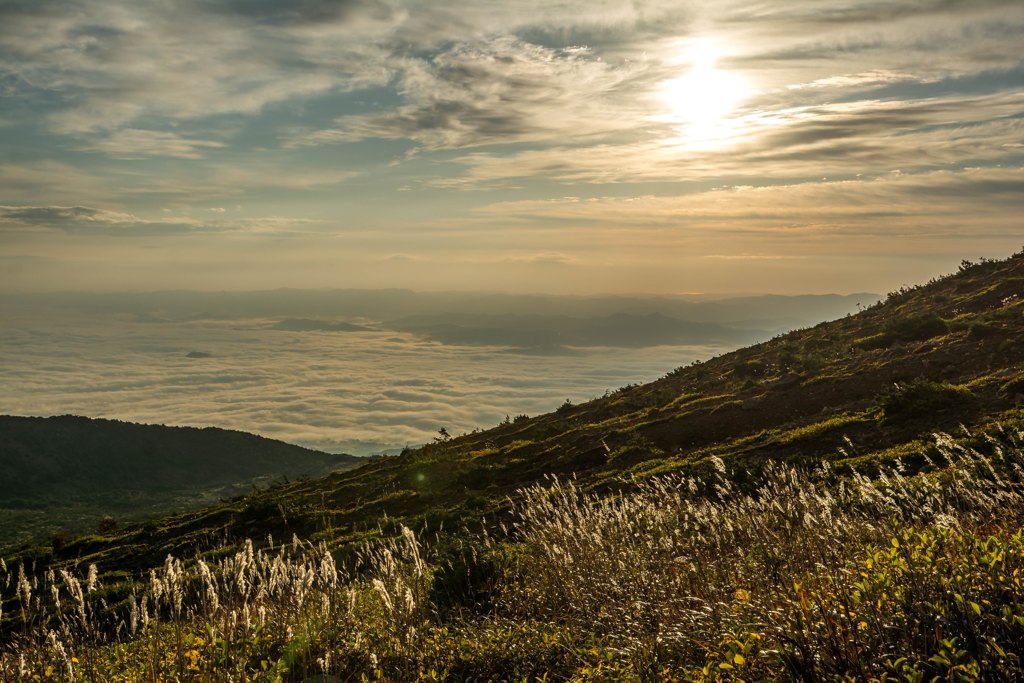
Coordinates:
x,y
922,397
808,577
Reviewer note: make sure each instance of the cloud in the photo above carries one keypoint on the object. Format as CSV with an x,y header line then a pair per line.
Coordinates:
x,y
377,390
233,178
313,114
402,258
832,139
500,92
86,220
34,181
299,12
752,257
544,258
872,12
112,64
467,72
133,143
215,183
890,206
63,217
804,43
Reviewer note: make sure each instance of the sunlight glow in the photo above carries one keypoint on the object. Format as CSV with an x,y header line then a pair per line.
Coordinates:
x,y
701,101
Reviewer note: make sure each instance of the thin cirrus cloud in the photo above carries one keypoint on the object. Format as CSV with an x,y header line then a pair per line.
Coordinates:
x,y
132,143
421,124
86,220
940,201
120,62
872,136
505,92
69,219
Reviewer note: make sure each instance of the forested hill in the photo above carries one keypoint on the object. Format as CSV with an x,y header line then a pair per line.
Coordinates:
x,y
64,473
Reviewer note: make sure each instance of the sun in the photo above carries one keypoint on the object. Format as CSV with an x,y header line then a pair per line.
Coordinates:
x,y
700,101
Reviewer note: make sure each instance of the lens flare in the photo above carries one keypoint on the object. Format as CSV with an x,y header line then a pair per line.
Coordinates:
x,y
701,101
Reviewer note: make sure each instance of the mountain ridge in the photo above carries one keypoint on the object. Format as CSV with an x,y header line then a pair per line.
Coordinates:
x,y
54,469
846,391
842,500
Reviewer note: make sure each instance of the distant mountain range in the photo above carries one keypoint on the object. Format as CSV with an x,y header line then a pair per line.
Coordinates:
x,y
535,331
514,320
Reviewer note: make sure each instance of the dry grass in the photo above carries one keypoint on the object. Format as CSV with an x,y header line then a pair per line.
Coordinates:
x,y
810,577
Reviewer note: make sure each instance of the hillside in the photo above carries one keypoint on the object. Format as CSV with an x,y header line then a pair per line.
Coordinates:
x,y
782,512
67,473
846,391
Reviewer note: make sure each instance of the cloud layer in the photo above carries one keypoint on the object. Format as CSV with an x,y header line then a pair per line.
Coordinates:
x,y
342,391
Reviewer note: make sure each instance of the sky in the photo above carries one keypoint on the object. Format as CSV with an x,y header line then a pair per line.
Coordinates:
x,y
561,146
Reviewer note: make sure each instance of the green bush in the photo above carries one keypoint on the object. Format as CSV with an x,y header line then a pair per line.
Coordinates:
x,y
983,331
948,604
917,327
636,446
922,397
465,577
906,329
1014,387
750,369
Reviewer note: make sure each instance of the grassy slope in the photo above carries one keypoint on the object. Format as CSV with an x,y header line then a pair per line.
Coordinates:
x,y
67,472
811,394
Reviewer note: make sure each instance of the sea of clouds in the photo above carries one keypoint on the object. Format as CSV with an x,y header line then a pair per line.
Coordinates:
x,y
357,392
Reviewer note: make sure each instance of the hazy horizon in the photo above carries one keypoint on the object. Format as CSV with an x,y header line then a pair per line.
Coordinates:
x,y
482,292
360,371
907,276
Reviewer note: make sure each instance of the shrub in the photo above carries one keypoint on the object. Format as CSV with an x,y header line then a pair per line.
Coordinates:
x,y
917,327
922,396
636,446
750,369
905,329
902,581
983,331
875,580
1014,387
465,578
